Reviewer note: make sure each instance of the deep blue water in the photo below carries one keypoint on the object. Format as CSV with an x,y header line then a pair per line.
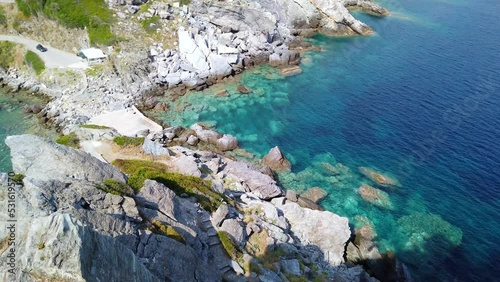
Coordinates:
x,y
419,101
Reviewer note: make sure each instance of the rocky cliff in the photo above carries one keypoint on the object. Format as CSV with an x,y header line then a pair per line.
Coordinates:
x,y
78,220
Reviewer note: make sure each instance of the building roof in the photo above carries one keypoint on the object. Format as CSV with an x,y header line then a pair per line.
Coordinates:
x,y
93,53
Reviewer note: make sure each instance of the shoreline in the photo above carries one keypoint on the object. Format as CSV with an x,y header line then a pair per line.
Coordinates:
x,y
52,118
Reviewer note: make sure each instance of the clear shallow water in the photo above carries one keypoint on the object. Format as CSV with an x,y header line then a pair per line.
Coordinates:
x,y
13,121
418,101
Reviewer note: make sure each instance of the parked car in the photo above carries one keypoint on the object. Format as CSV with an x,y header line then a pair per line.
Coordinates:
x,y
41,48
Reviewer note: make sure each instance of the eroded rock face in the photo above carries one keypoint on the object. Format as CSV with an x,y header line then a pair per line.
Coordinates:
x,y
59,247
276,160
35,157
72,229
324,229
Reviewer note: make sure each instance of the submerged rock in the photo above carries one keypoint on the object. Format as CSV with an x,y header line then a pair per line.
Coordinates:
x,y
379,178
375,196
314,194
243,89
276,160
290,70
419,228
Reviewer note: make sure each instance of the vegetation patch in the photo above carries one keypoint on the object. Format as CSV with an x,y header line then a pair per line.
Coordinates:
x,y
18,177
229,246
35,62
128,141
269,258
3,17
140,170
91,14
167,230
94,126
70,140
184,2
150,25
41,245
94,71
7,54
116,188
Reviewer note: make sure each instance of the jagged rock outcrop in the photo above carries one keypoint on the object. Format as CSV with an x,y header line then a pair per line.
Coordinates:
x,y
252,180
324,229
71,228
57,246
276,160
247,34
34,156
102,232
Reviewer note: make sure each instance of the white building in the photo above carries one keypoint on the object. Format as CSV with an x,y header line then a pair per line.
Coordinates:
x,y
92,55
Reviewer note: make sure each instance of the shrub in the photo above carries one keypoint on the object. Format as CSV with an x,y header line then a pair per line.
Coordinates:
x,y
128,141
34,61
167,230
150,25
116,188
3,18
41,245
30,7
70,140
18,177
94,126
91,14
185,2
7,54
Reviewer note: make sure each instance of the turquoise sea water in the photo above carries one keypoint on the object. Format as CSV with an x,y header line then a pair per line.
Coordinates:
x,y
13,121
418,101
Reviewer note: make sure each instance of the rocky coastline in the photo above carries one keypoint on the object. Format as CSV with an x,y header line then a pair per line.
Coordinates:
x,y
79,214
256,232
208,49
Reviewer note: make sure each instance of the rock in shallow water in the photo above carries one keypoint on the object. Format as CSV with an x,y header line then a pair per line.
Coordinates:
x,y
227,142
378,178
375,196
276,160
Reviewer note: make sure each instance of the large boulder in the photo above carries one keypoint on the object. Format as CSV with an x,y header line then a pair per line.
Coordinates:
x,y
193,48
206,135
276,160
235,229
253,180
227,142
314,194
154,147
43,160
324,229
